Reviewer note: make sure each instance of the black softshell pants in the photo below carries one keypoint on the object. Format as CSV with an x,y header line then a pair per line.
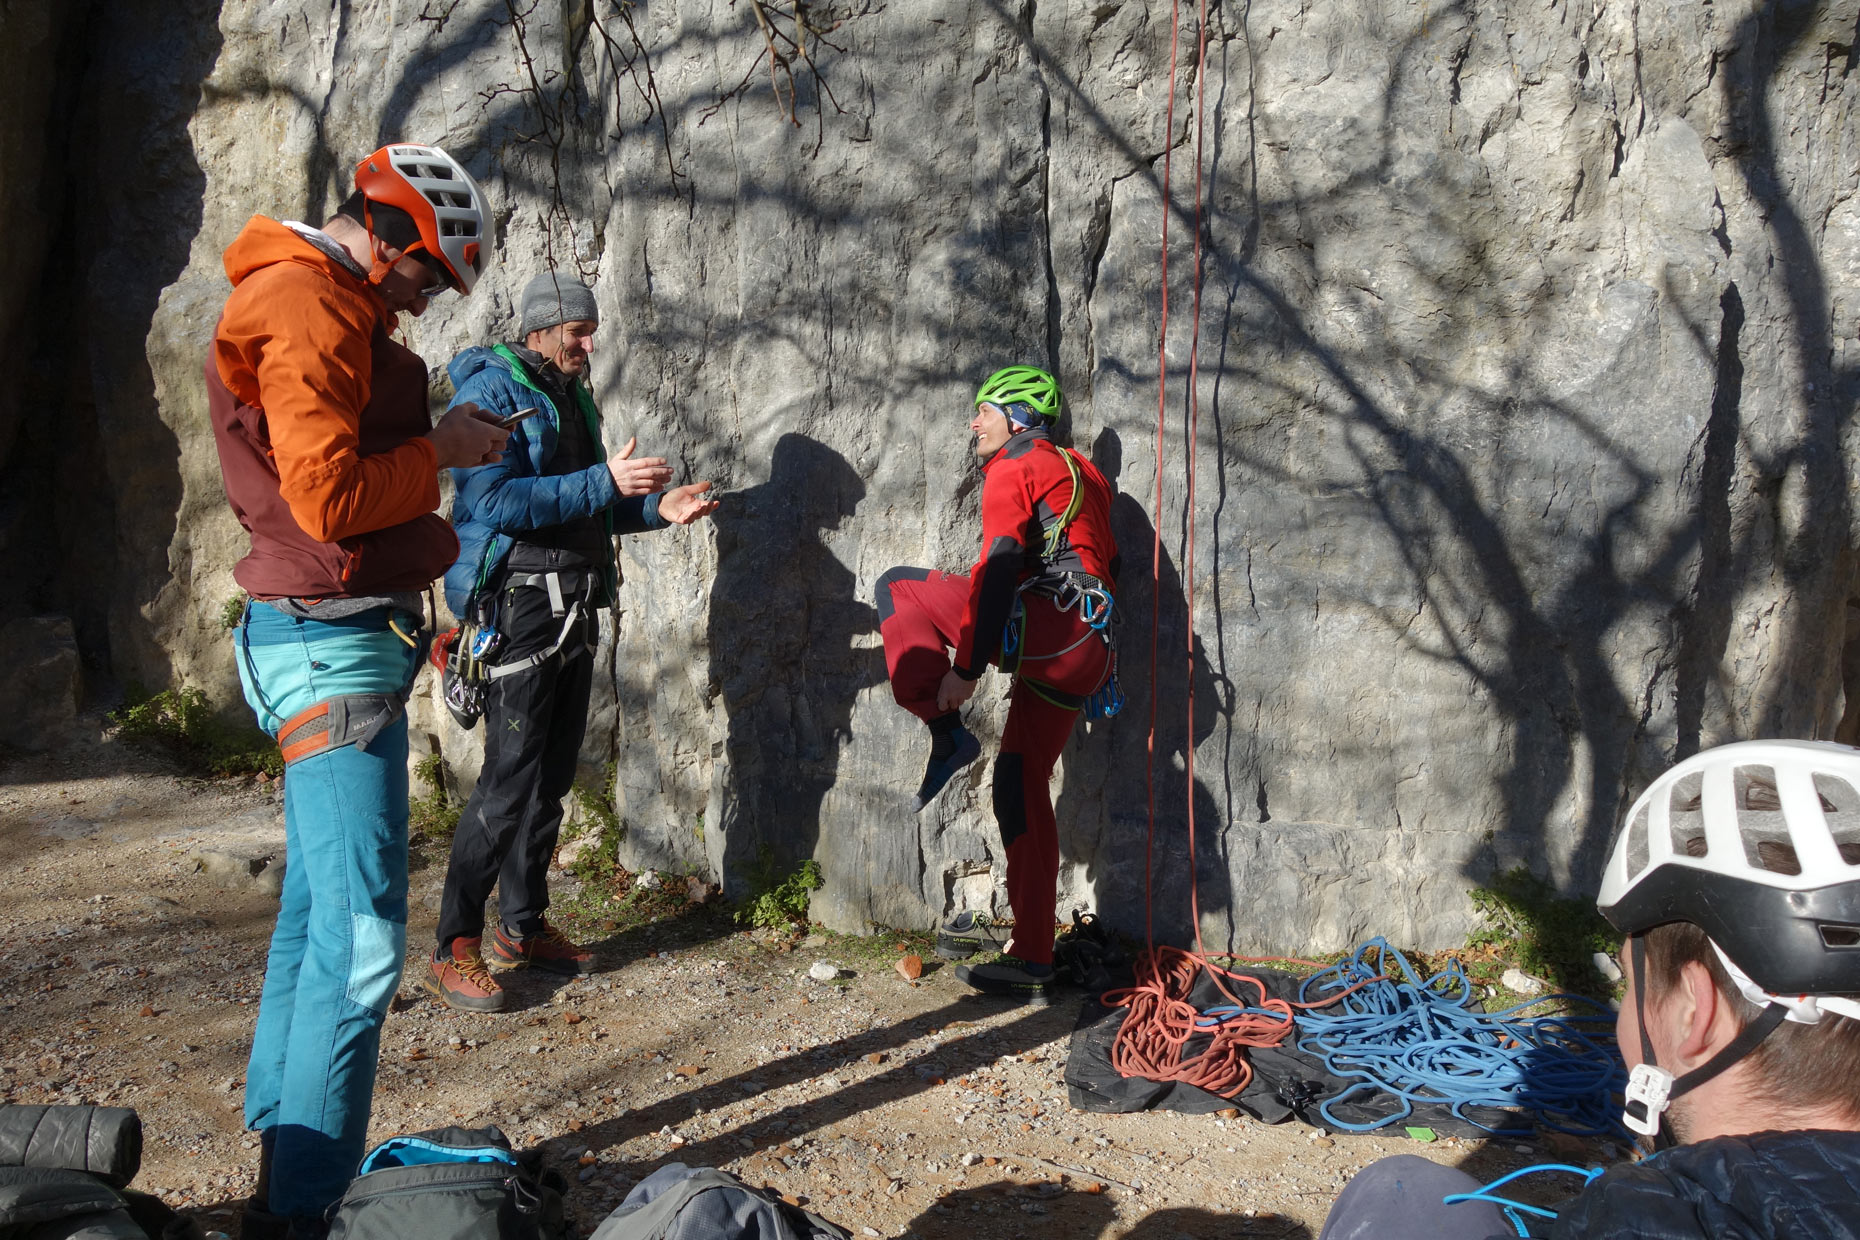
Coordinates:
x,y
534,721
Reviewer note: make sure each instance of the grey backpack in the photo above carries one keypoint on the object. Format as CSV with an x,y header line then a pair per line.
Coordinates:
x,y
451,1184
677,1202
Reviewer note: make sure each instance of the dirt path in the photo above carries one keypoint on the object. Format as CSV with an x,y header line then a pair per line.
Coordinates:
x,y
131,979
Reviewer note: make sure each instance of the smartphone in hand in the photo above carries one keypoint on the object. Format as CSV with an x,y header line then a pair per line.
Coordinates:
x,y
518,416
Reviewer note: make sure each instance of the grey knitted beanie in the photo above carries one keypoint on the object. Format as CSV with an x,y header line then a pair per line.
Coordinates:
x,y
553,298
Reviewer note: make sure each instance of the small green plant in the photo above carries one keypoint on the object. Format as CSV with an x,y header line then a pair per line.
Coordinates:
x,y
183,723
232,611
777,903
599,816
1542,933
432,816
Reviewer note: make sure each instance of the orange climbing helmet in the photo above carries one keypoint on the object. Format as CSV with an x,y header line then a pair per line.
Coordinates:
x,y
445,203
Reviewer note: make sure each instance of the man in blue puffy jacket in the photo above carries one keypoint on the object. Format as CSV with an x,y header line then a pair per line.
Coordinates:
x,y
536,563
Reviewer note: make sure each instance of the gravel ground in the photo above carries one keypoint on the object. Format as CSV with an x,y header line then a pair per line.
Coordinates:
x,y
131,979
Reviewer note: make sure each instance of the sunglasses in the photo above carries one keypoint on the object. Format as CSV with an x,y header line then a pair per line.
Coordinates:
x,y
442,279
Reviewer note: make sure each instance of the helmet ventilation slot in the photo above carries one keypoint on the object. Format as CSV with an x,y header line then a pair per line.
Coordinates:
x,y
1840,938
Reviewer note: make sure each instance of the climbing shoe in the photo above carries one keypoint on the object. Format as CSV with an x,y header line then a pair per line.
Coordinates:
x,y
1010,976
548,949
963,935
461,980
959,749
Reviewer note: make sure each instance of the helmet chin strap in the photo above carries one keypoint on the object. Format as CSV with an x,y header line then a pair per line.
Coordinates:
x,y
1651,1088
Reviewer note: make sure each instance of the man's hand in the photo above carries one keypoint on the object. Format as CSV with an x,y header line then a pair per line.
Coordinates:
x,y
685,504
641,477
467,436
954,691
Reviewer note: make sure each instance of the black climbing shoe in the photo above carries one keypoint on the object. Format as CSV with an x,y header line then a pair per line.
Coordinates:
x,y
939,771
963,935
1012,977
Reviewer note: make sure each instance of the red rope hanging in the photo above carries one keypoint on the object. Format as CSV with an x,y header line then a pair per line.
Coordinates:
x,y
1153,1039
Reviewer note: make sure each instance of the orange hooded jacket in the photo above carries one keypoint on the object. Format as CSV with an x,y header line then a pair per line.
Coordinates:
x,y
320,419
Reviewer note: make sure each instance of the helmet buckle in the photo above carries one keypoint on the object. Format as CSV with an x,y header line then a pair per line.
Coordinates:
x,y
1649,1093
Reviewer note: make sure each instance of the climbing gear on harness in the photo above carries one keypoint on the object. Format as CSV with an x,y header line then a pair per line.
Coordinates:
x,y
1109,699
467,656
444,201
460,656
1066,590
352,719
1758,845
1022,385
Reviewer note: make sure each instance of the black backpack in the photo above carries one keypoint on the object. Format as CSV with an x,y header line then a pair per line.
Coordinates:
x,y
451,1184
677,1202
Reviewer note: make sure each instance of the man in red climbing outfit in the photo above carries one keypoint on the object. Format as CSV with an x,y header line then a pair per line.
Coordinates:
x,y
1037,604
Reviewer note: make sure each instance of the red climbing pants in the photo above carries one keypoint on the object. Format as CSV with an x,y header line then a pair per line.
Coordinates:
x,y
920,613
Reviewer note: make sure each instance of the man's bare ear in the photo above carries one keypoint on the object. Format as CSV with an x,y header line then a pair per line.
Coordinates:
x,y
1702,1020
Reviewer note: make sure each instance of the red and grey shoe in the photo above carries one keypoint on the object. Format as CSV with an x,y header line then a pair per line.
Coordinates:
x,y
548,949
460,980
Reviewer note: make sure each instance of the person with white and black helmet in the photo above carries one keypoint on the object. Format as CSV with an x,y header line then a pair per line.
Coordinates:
x,y
1737,882
331,462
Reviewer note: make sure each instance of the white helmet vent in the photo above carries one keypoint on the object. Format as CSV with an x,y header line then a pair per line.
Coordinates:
x,y
1636,842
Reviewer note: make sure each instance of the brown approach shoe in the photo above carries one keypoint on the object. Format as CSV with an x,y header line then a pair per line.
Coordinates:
x,y
461,979
548,949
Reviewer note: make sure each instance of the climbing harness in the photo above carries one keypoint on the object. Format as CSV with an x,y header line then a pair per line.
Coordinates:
x,y
467,656
1424,1040
352,718
564,604
1067,590
1511,1208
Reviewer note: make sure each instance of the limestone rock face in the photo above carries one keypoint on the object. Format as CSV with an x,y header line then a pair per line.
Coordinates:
x,y
1508,457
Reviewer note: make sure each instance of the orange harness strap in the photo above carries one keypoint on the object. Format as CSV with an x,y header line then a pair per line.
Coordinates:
x,y
351,719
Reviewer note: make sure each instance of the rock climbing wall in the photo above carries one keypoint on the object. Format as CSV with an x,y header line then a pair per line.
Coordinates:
x,y
1516,459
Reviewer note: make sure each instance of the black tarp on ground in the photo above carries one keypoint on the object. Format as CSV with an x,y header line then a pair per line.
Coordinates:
x,y
1286,1082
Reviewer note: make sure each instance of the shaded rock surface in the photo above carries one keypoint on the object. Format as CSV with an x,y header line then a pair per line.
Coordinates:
x,y
1521,426
41,682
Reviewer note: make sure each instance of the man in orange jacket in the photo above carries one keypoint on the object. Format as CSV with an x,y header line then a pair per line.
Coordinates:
x,y
331,463
1037,604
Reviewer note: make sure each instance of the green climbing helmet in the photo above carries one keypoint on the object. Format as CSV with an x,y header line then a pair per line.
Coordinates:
x,y
1022,385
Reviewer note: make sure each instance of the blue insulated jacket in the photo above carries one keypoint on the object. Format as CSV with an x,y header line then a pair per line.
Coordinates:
x,y
1767,1186
496,504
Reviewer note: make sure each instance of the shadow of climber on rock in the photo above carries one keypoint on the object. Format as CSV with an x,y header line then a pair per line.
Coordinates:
x,y
1103,807
784,614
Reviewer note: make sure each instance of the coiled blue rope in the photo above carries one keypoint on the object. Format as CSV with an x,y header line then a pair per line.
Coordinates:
x,y
1422,1041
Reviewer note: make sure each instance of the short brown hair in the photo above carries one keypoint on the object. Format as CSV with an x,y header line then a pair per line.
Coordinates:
x,y
1797,1064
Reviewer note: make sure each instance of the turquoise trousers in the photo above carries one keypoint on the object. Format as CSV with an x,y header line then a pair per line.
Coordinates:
x,y
341,937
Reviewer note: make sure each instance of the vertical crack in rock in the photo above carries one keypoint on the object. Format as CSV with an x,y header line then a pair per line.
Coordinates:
x,y
1705,627
1053,329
